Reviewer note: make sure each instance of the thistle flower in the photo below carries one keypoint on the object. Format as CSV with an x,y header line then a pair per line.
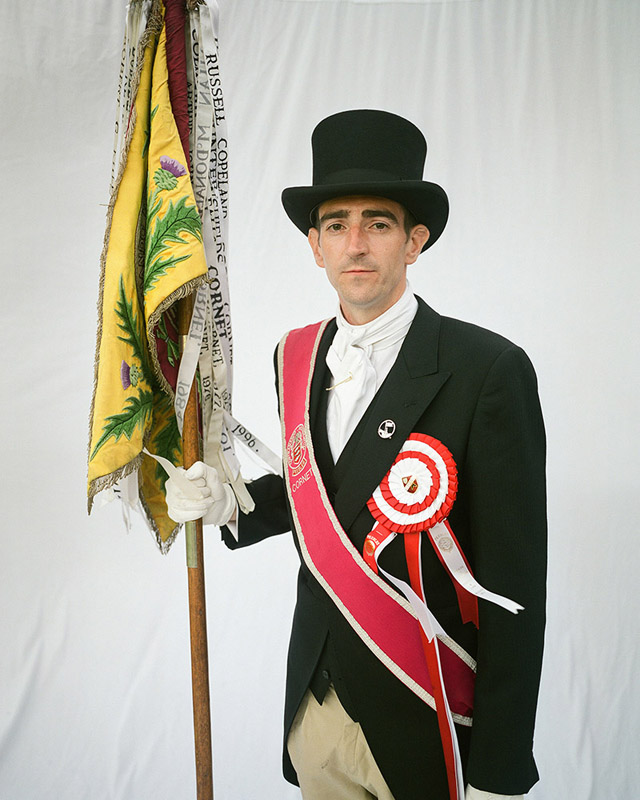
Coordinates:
x,y
129,375
172,166
125,375
166,177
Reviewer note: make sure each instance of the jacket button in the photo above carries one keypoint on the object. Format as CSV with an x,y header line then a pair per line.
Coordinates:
x,y
325,674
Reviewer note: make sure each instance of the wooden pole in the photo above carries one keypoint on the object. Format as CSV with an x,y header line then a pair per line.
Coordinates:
x,y
197,598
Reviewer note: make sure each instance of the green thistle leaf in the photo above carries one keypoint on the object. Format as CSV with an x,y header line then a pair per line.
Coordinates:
x,y
129,323
134,333
159,268
154,204
173,350
179,219
147,133
136,412
167,440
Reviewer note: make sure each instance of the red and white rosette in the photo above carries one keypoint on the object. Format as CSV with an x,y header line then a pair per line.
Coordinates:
x,y
417,495
419,489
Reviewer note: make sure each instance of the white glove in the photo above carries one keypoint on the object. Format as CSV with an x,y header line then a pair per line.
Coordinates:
x,y
216,503
479,794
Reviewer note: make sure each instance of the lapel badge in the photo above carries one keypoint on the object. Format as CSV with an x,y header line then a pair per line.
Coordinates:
x,y
386,429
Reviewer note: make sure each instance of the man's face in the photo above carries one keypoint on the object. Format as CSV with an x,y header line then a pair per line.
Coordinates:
x,y
362,244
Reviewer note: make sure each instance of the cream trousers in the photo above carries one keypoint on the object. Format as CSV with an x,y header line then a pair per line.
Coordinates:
x,y
330,754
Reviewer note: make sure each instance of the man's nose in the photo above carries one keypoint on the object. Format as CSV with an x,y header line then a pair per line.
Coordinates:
x,y
357,242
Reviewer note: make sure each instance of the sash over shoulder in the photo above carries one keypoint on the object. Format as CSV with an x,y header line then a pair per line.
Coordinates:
x,y
381,617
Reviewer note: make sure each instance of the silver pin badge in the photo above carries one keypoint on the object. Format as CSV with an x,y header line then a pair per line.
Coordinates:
x,y
386,429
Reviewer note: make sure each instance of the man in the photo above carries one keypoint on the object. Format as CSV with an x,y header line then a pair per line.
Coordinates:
x,y
391,386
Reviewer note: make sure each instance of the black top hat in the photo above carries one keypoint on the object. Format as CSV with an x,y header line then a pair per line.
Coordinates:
x,y
374,153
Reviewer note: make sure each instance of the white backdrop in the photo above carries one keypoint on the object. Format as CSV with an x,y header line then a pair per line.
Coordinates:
x,y
532,113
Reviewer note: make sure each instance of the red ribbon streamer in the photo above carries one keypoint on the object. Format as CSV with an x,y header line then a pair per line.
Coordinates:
x,y
412,549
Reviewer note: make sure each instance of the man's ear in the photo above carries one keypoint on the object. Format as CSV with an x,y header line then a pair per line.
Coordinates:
x,y
314,241
418,237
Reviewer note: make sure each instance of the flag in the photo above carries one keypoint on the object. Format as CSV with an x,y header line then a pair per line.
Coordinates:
x,y
153,256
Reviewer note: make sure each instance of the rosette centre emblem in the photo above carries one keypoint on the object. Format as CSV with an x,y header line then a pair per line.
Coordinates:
x,y
412,487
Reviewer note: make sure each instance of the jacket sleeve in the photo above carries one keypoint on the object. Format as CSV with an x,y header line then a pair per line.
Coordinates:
x,y
505,473
269,518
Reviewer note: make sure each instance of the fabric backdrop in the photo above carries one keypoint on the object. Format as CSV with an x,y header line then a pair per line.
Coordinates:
x,y
531,109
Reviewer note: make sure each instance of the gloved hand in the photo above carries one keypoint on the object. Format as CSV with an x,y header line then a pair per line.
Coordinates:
x,y
216,503
478,794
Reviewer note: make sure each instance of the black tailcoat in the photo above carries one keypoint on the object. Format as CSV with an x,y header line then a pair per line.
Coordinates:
x,y
476,392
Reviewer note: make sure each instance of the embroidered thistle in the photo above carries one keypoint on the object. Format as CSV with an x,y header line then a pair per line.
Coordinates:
x,y
129,375
167,176
166,231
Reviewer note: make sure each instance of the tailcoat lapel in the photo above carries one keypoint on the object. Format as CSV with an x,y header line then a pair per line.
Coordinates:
x,y
321,376
412,383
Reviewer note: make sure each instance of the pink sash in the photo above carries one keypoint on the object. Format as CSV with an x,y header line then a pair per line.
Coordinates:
x,y
382,618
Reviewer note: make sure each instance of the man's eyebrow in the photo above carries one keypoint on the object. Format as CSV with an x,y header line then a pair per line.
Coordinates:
x,y
338,214
380,212
368,213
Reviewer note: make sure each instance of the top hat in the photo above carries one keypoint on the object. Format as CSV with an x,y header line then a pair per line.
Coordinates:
x,y
372,153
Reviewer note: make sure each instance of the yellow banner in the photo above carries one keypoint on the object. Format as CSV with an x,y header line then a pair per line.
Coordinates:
x,y
153,256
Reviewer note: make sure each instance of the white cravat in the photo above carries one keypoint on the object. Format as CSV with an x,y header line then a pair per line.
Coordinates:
x,y
359,359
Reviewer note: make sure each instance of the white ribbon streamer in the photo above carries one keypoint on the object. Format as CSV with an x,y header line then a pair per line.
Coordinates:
x,y
218,189
190,355
252,443
450,552
184,484
428,622
136,22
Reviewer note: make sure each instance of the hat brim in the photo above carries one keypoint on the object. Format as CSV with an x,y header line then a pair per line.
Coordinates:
x,y
427,201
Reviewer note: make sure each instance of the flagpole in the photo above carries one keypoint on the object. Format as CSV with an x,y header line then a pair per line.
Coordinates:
x,y
197,597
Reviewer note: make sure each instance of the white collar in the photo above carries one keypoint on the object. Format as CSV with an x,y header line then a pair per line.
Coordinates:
x,y
381,332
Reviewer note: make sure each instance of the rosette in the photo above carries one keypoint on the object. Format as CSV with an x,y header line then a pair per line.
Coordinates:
x,y
419,489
